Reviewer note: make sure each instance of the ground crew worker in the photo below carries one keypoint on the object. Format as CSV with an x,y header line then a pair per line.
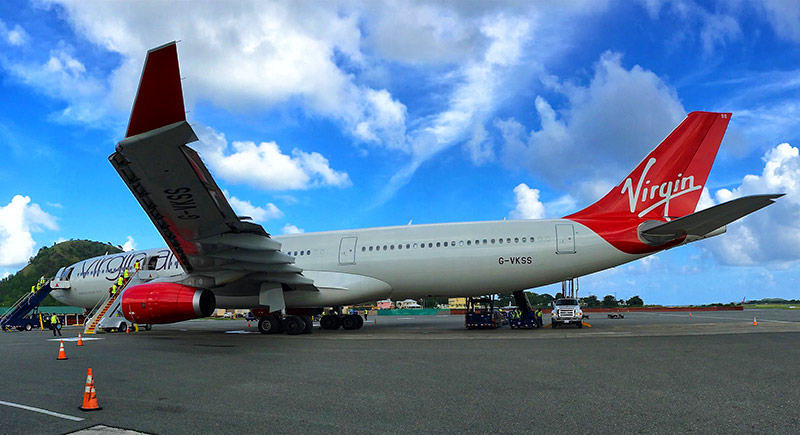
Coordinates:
x,y
113,289
119,282
539,317
33,289
126,274
366,312
136,266
54,324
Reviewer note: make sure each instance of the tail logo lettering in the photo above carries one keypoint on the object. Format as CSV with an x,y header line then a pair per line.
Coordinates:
x,y
666,191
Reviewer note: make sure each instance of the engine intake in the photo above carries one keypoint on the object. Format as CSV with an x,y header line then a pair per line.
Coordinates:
x,y
166,302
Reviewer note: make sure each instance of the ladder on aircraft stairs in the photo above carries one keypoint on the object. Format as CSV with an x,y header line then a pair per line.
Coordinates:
x,y
24,305
108,307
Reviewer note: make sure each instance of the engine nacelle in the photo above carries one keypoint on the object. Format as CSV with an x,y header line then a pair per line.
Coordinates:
x,y
166,302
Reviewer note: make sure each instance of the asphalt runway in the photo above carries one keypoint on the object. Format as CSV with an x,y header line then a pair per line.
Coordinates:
x,y
713,372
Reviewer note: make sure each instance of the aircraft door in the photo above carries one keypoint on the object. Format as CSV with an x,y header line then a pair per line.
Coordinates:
x,y
347,250
565,239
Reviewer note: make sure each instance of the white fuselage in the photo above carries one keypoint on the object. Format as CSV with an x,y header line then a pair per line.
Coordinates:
x,y
457,259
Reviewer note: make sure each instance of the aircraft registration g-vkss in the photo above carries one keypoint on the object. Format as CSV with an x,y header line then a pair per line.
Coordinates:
x,y
218,259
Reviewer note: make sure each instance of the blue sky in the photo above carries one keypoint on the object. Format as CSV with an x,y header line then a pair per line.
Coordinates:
x,y
335,115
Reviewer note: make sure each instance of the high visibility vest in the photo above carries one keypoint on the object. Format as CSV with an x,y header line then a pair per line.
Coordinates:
x,y
136,266
126,275
54,319
119,281
33,289
114,289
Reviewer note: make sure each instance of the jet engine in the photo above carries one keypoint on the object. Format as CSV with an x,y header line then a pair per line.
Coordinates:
x,y
166,302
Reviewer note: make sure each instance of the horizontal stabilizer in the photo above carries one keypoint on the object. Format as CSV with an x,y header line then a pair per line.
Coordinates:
x,y
705,221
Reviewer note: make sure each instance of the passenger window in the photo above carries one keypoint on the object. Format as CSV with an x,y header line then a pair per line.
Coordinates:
x,y
445,244
484,241
460,243
301,252
415,246
469,242
516,239
384,247
370,249
500,240
452,243
363,249
523,240
409,246
493,241
438,245
391,247
508,240
308,252
430,245
399,246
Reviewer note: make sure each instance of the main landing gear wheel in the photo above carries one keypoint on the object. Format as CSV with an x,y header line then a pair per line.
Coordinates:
x,y
329,322
309,323
148,327
349,322
28,327
293,325
122,327
360,321
268,325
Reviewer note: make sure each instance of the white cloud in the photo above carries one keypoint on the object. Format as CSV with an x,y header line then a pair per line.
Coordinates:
x,y
605,130
291,229
784,16
130,244
17,220
771,235
528,204
264,166
246,208
16,36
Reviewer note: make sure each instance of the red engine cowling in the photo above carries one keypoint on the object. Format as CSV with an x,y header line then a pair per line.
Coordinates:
x,y
166,302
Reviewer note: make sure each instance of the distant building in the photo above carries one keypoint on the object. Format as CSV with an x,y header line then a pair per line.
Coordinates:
x,y
408,303
457,303
385,304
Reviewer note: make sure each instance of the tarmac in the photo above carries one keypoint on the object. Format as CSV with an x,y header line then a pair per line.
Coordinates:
x,y
711,372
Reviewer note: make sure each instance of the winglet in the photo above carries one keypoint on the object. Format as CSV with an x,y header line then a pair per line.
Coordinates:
x,y
159,100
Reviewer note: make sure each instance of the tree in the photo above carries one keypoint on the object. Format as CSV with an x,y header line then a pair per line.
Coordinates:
x,y
590,301
635,301
609,301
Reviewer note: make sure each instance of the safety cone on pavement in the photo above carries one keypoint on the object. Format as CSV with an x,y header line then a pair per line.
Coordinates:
x,y
90,395
61,353
127,329
690,314
80,340
754,321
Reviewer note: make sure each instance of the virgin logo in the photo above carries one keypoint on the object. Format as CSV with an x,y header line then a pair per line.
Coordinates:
x,y
664,192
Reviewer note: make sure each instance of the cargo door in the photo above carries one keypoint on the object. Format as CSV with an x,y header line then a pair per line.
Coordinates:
x,y
565,239
347,250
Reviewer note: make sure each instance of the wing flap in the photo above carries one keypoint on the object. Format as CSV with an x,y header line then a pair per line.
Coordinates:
x,y
705,221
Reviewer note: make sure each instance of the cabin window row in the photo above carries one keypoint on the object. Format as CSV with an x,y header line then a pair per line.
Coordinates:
x,y
450,244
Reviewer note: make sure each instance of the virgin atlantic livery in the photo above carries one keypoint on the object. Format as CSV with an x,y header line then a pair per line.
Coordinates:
x,y
216,259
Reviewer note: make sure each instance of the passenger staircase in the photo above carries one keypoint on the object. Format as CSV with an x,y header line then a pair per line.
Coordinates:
x,y
108,307
23,306
523,303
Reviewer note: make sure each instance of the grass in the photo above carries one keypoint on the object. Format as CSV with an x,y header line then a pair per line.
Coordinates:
x,y
774,306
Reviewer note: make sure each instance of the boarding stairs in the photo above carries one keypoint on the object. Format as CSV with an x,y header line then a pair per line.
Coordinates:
x,y
522,302
110,306
23,306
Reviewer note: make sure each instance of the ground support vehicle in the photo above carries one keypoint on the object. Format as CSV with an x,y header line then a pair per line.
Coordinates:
x,y
566,311
19,315
525,321
481,313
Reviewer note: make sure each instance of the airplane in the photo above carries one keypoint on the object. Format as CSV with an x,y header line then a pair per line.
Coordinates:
x,y
216,259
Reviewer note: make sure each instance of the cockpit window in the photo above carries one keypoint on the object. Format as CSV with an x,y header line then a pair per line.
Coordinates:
x,y
69,273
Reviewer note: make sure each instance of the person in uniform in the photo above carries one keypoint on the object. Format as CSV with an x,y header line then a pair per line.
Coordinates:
x,y
54,324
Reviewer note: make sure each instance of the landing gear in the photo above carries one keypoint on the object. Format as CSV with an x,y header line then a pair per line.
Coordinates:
x,y
309,323
349,322
329,322
268,325
293,325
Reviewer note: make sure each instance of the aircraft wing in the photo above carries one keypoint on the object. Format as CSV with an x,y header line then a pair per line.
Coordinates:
x,y
176,190
703,222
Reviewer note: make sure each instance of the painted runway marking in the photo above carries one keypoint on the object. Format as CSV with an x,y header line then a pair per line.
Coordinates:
x,y
721,317
41,411
75,339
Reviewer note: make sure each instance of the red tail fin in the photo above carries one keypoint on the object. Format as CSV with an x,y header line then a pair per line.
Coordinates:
x,y
669,181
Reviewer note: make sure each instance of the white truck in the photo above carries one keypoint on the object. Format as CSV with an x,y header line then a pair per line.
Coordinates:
x,y
566,310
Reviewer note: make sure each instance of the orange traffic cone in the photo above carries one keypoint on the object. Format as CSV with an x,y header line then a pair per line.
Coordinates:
x,y
90,395
690,314
248,324
754,321
127,329
61,353
80,340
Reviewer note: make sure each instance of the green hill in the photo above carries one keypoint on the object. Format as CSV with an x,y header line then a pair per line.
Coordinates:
x,y
47,262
